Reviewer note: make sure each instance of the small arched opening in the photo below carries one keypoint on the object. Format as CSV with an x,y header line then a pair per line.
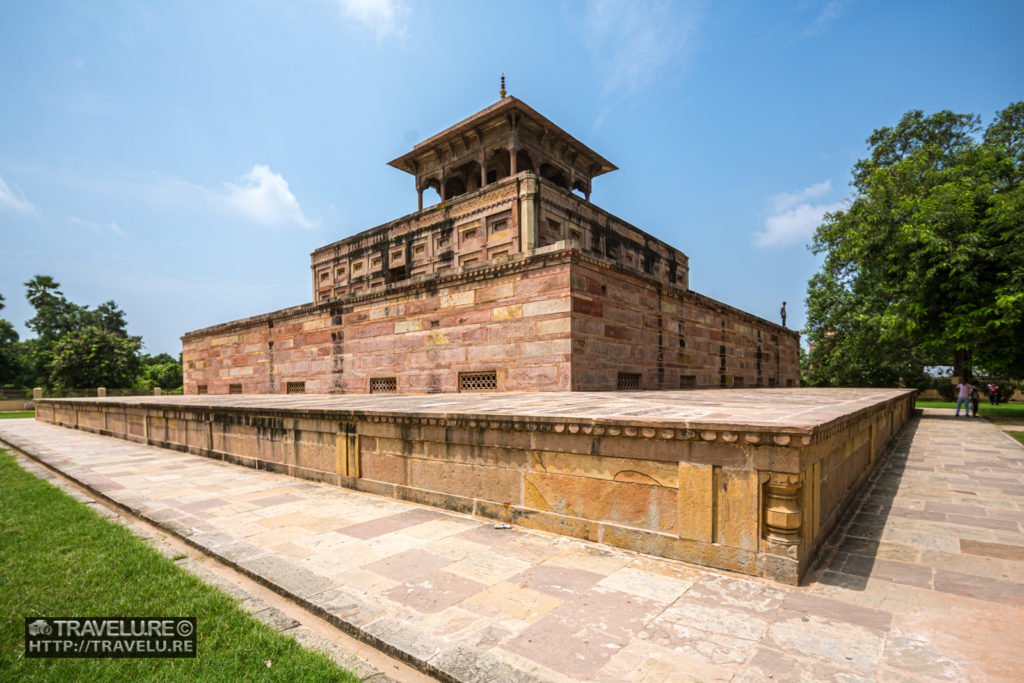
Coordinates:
x,y
523,161
555,175
470,174
498,166
454,187
430,192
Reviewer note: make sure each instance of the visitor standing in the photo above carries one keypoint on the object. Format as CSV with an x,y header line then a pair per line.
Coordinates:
x,y
963,397
993,394
974,401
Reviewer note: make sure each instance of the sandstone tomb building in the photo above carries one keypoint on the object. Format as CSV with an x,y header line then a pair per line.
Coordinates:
x,y
513,281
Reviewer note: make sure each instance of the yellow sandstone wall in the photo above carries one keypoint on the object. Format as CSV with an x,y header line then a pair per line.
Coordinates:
x,y
748,499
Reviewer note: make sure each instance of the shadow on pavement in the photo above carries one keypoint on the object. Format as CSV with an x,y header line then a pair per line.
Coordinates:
x,y
849,554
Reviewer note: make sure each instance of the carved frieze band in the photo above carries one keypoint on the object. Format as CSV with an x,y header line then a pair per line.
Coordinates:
x,y
590,429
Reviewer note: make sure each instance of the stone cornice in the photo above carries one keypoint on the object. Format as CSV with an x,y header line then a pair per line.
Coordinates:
x,y
253,321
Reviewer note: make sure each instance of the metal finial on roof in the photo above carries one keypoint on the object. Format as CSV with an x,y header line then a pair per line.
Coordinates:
x,y
502,86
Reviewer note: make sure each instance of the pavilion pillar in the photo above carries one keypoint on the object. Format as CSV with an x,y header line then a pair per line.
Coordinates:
x,y
528,191
512,151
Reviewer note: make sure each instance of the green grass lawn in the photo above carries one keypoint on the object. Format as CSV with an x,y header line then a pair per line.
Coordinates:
x,y
1004,413
59,558
17,413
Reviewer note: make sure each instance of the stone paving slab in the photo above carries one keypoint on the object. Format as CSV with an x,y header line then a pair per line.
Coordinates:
x,y
257,607
923,580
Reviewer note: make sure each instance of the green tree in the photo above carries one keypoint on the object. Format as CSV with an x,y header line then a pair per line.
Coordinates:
x,y
10,367
161,370
925,266
55,317
95,357
76,347
107,316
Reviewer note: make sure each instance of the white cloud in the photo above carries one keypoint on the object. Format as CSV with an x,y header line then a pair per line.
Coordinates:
x,y
635,44
13,200
826,17
786,200
264,197
794,217
383,16
109,226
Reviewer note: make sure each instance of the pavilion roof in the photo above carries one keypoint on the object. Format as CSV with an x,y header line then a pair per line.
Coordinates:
x,y
486,118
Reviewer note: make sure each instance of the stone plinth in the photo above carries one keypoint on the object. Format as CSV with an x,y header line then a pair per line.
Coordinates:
x,y
746,480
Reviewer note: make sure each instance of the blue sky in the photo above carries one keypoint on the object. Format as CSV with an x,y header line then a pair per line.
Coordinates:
x,y
184,158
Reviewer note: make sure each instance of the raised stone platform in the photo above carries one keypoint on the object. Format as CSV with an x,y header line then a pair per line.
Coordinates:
x,y
747,480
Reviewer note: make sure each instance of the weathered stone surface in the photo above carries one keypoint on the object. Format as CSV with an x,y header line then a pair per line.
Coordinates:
x,y
696,501
290,576
276,619
608,467
651,507
467,664
700,624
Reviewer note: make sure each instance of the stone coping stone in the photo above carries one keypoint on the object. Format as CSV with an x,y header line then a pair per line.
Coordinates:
x,y
809,413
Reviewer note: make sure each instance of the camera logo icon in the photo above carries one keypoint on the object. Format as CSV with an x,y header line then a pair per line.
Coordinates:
x,y
40,627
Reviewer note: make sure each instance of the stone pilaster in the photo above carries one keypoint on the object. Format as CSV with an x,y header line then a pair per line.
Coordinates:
x,y
529,188
782,514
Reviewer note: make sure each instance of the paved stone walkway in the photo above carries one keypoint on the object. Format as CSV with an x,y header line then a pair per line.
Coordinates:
x,y
925,580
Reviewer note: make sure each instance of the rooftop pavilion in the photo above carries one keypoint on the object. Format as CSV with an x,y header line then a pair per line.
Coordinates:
x,y
502,140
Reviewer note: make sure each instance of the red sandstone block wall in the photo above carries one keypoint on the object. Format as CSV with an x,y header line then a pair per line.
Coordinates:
x,y
262,355
552,322
621,324
516,324
564,216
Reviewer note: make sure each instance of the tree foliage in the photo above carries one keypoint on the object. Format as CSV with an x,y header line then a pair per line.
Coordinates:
x,y
925,266
161,370
77,347
10,361
13,367
95,357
